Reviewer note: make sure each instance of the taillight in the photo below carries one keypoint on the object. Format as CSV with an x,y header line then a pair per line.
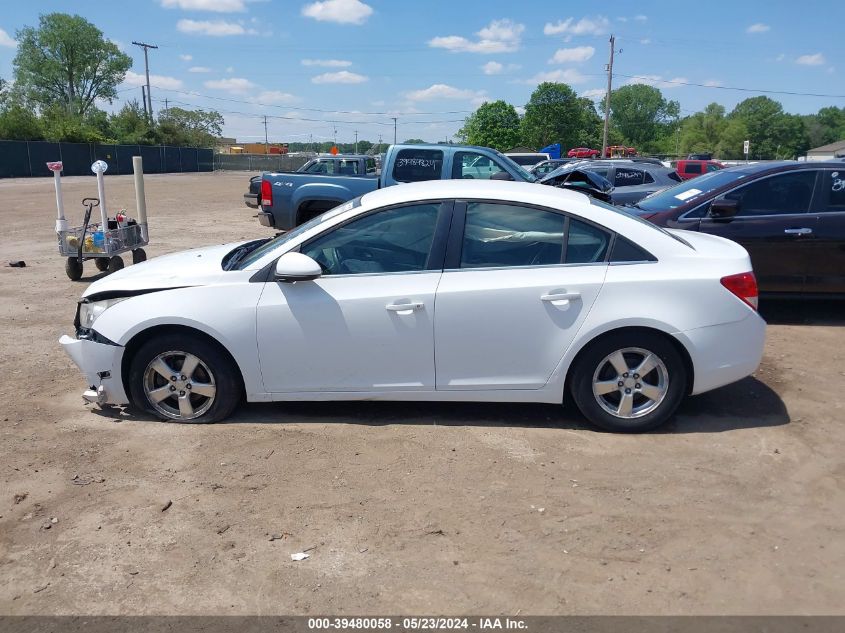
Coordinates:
x,y
266,194
744,286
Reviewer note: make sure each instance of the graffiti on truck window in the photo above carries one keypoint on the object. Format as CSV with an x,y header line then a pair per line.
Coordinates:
x,y
838,183
417,162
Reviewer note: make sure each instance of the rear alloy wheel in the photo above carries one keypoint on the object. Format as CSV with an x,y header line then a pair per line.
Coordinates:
x,y
629,382
184,379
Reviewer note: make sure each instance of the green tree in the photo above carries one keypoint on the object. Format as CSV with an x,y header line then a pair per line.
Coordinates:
x,y
702,131
495,124
413,141
733,136
642,115
131,125
555,114
772,132
196,128
826,126
67,61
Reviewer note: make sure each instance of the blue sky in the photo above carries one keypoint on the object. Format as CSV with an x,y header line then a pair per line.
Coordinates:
x,y
332,67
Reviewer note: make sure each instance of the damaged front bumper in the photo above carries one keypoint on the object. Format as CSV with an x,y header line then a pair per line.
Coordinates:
x,y
101,364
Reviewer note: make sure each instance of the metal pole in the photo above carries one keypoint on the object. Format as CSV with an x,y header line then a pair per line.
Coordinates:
x,y
394,130
140,197
146,47
607,99
356,141
144,99
266,147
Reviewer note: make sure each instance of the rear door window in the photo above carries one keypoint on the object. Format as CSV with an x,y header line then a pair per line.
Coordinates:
x,y
833,188
693,168
626,177
472,165
416,165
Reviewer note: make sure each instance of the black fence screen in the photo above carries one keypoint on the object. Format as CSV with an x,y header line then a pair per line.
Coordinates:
x,y
21,159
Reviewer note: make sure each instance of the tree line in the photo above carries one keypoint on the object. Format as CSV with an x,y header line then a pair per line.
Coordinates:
x,y
62,69
641,117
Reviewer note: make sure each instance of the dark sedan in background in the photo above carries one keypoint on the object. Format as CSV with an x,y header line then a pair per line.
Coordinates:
x,y
790,216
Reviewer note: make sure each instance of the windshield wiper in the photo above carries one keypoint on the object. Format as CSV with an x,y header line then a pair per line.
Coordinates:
x,y
241,252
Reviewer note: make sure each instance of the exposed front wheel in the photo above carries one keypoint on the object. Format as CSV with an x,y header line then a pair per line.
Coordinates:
x,y
184,379
629,382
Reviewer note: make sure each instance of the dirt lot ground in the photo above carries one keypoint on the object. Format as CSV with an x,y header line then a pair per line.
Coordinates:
x,y
737,507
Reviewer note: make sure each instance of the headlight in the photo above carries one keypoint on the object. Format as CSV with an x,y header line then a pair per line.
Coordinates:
x,y
90,310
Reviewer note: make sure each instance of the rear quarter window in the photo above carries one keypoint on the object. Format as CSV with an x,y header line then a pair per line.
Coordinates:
x,y
416,165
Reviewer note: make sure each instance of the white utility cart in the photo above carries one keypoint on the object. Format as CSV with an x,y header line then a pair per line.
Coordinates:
x,y
102,241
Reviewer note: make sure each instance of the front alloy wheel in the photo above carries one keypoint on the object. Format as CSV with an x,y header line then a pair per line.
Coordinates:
x,y
179,385
182,377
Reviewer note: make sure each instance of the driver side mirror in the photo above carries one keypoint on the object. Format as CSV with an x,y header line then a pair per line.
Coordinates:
x,y
723,209
292,267
501,175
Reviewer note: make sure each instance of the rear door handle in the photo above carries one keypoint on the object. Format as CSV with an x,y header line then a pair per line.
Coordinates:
x,y
560,298
802,231
405,308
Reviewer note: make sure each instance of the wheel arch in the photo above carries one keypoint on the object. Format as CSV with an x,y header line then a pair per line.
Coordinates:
x,y
139,338
633,330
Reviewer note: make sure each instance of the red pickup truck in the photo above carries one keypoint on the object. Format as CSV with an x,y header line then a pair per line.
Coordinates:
x,y
691,168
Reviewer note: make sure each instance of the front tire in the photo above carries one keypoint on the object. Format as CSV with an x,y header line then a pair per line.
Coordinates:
x,y
73,268
629,382
184,378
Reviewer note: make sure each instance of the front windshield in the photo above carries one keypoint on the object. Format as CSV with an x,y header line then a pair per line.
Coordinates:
x,y
688,190
283,238
526,175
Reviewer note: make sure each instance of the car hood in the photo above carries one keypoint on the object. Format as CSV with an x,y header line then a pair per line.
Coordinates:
x,y
196,267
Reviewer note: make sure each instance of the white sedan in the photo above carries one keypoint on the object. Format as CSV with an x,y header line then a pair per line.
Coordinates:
x,y
439,291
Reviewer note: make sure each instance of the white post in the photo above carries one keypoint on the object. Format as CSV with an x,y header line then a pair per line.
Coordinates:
x,y
99,168
140,197
61,222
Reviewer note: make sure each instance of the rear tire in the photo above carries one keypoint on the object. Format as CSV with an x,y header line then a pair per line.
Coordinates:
x,y
629,382
101,263
115,263
210,390
139,255
73,268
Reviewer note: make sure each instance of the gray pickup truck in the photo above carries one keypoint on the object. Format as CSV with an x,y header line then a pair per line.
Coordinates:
x,y
289,199
344,165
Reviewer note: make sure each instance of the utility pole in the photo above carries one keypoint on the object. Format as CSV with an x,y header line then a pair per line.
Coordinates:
x,y
356,141
144,99
607,98
165,106
266,144
146,47
394,130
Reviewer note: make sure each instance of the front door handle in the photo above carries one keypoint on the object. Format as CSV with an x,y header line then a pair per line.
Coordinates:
x,y
405,308
802,231
560,298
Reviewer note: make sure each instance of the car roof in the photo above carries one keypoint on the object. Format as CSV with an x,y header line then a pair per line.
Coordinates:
x,y
780,165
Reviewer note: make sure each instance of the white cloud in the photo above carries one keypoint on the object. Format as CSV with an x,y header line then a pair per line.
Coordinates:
x,y
328,63
443,91
218,6
658,82
233,85
275,97
216,28
569,55
641,18
156,81
186,58
120,45
594,93
520,110
645,41
566,75
758,27
340,77
811,60
584,26
831,70
713,83
340,11
500,36
495,68
6,40
199,69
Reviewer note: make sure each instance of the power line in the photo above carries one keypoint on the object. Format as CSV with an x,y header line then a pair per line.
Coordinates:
x,y
689,83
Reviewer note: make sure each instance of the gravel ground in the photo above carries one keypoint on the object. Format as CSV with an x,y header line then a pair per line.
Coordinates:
x,y
736,507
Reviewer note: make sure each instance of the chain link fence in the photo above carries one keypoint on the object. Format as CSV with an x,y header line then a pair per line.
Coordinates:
x,y
259,162
23,159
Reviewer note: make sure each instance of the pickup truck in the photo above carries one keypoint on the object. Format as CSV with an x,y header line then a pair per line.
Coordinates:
x,y
289,199
344,165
